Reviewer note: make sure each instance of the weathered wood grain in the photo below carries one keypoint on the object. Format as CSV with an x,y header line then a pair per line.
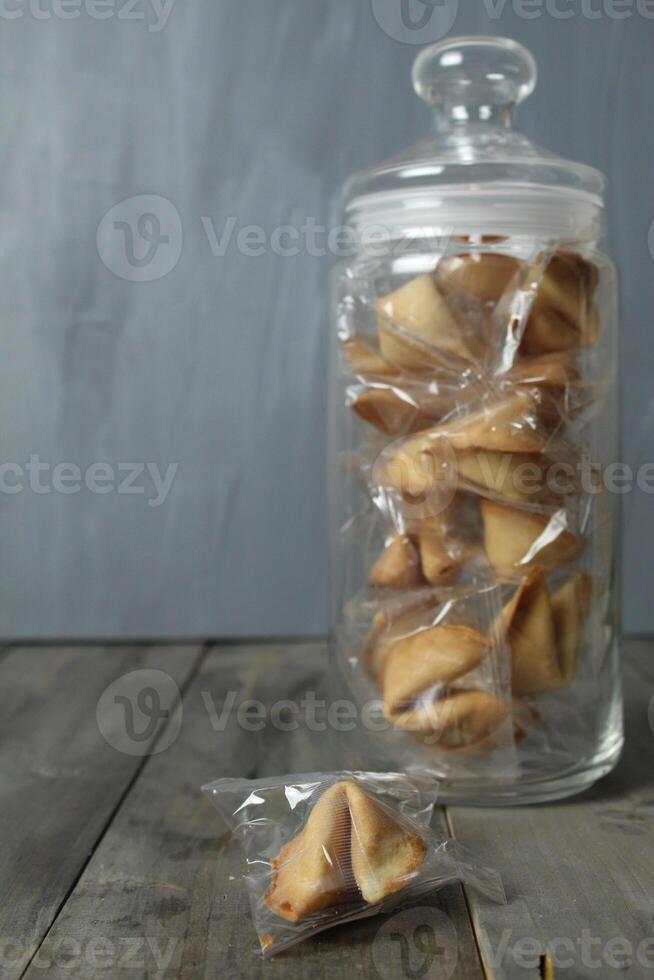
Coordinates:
x,y
162,895
60,781
580,873
166,880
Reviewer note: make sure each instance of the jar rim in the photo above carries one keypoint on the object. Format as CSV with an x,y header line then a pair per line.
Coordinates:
x,y
486,208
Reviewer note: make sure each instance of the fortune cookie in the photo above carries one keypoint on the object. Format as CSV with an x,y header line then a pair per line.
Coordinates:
x,y
391,623
426,662
415,676
415,324
349,845
556,370
567,286
563,315
385,855
512,423
461,720
529,624
518,539
398,566
569,607
483,275
421,466
516,476
525,718
544,632
440,554
312,871
390,410
364,358
547,330
557,378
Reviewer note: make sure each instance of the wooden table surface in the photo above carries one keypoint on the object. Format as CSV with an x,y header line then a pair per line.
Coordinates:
x,y
113,864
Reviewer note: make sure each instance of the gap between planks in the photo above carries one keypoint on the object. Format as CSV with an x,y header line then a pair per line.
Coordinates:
x,y
256,672
60,782
166,864
128,787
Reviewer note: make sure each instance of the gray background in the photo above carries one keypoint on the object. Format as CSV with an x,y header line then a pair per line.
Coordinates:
x,y
256,109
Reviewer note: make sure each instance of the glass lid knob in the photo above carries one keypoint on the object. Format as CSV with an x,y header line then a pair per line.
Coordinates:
x,y
475,79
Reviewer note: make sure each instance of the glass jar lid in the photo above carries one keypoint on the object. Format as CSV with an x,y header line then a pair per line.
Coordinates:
x,y
475,170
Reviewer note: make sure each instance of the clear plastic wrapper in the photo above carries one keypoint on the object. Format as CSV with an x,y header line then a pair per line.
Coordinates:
x,y
432,668
470,580
323,849
473,417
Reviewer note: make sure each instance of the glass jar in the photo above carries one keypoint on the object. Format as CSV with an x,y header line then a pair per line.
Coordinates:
x,y
472,419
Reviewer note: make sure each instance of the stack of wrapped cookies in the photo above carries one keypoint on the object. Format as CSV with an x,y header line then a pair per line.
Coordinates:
x,y
472,566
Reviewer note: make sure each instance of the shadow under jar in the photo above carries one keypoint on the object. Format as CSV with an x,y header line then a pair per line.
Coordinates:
x,y
472,418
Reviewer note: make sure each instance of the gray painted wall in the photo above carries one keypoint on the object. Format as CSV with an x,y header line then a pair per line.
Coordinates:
x,y
257,110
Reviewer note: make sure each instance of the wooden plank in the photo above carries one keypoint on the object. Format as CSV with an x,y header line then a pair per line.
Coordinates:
x,y
166,879
579,873
60,779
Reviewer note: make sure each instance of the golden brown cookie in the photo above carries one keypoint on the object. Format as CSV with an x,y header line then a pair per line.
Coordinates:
x,y
517,540
349,845
424,663
398,566
416,326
